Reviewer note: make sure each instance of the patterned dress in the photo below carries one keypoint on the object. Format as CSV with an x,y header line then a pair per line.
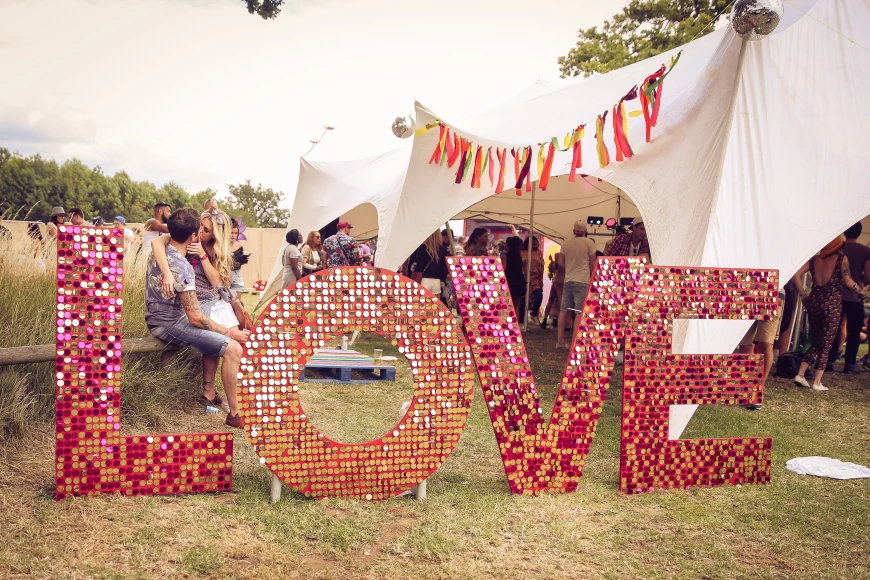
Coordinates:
x,y
824,307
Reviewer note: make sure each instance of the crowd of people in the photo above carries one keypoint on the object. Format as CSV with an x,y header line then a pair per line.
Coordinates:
x,y
194,280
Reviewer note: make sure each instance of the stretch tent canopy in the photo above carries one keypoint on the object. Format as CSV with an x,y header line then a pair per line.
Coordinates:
x,y
758,158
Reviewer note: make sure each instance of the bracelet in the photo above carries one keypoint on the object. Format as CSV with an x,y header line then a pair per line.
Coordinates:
x,y
230,334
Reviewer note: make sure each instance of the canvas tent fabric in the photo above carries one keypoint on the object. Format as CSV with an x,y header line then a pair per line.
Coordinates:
x,y
757,161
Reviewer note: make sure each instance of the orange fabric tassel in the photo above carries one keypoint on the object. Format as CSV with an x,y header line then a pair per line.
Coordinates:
x,y
478,166
548,168
436,155
502,166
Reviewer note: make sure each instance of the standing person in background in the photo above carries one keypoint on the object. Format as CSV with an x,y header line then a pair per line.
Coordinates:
x,y
515,275
853,305
557,275
313,258
156,225
292,258
578,260
831,275
210,203
58,217
477,241
77,217
459,246
536,281
240,258
789,304
631,244
429,265
340,248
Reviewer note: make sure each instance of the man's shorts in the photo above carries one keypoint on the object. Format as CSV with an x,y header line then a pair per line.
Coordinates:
x,y
573,295
761,331
183,333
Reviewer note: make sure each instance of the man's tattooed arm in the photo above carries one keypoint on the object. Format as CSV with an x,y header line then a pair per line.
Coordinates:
x,y
195,316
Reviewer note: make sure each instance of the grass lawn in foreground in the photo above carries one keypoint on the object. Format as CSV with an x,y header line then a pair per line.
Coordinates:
x,y
470,525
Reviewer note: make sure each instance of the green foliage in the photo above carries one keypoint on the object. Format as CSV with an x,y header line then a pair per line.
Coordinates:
x,y
265,9
31,186
642,30
258,206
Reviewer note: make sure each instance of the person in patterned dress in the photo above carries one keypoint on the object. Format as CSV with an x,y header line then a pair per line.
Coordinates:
x,y
830,273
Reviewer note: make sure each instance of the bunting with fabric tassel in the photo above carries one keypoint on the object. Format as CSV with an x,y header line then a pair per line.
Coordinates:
x,y
469,161
478,167
517,166
603,155
577,157
436,155
502,166
620,127
525,171
478,160
464,163
544,176
454,149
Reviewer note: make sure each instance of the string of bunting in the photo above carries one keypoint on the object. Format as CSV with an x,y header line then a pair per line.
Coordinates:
x,y
477,160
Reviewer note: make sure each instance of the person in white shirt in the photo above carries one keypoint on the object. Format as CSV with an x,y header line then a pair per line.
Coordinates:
x,y
156,225
577,258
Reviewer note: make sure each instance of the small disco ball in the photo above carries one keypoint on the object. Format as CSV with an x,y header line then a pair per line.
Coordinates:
x,y
755,19
403,127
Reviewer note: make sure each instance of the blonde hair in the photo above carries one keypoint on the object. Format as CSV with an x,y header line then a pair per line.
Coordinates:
x,y
433,246
219,251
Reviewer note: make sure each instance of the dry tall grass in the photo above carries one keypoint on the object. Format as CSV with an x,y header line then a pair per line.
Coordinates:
x,y
27,298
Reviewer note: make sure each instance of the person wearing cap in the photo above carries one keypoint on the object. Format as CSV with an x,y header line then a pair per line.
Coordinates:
x,y
58,217
120,223
577,258
634,243
340,248
831,276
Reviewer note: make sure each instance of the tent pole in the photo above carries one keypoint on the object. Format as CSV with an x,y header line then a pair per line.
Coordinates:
x,y
452,248
529,255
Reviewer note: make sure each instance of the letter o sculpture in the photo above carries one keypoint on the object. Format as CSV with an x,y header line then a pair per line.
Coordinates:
x,y
297,322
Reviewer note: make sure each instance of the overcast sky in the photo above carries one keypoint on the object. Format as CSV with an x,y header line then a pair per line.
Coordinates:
x,y
202,93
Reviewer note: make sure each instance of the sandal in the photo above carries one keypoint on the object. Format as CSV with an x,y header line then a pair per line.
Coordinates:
x,y
216,402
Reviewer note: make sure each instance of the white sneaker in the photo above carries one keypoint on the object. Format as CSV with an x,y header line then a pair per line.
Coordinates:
x,y
820,387
800,381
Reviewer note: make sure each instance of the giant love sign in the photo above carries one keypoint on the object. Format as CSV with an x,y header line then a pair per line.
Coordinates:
x,y
629,303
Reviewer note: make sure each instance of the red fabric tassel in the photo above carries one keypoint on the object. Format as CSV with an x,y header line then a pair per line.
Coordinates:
x,y
478,165
502,155
548,168
516,156
572,177
526,170
463,147
491,167
436,155
621,138
456,150
616,124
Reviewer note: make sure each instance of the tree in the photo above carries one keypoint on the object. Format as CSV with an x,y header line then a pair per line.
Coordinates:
x,y
642,30
259,207
266,9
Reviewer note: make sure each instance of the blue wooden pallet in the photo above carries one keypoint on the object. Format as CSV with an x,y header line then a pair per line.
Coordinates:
x,y
342,373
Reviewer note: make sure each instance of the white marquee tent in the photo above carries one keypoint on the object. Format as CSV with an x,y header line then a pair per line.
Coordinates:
x,y
757,159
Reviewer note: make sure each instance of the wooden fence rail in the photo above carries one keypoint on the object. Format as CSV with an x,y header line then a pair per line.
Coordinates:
x,y
19,355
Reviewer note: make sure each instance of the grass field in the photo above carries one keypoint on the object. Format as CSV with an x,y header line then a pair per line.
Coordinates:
x,y
470,525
